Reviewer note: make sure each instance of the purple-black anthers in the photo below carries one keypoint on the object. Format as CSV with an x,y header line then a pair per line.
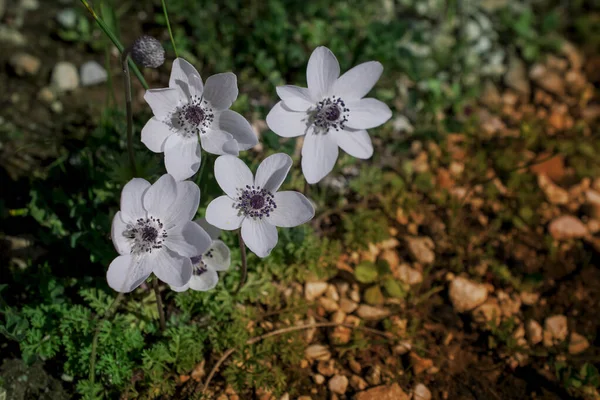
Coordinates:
x,y
255,202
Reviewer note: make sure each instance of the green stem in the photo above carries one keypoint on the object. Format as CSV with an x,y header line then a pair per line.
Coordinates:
x,y
115,41
164,6
107,314
159,304
127,82
244,265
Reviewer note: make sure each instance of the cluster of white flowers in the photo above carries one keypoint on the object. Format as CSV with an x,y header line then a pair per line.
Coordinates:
x,y
154,231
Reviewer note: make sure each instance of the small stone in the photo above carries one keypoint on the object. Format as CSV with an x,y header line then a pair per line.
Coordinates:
x,y
567,227
421,248
328,304
553,168
534,332
407,274
25,64
555,330
554,193
358,383
92,73
578,343
592,199
547,80
338,317
67,18
65,77
402,348
529,298
338,384
348,306
332,293
314,290
490,95
326,368
355,366
11,36
286,396
317,352
516,76
372,313
304,398
465,295
341,335
391,392
30,5
56,107
488,313
46,95
319,379
421,392
420,364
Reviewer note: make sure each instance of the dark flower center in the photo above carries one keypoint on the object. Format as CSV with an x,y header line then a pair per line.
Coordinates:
x,y
193,118
194,114
255,202
147,235
330,112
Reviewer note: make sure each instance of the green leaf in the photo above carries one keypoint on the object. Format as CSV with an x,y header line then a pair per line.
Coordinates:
x,y
393,288
366,272
374,296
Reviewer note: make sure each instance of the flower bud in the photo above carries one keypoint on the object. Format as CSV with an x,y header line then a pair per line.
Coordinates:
x,y
148,52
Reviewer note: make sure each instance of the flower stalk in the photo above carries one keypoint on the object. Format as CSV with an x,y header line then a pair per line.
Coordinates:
x,y
159,305
244,264
164,6
128,108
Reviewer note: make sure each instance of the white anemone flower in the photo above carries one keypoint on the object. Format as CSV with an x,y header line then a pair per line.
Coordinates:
x,y
254,203
331,113
205,265
154,232
188,110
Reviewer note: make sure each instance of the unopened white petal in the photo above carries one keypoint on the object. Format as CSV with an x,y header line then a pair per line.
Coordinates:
x,y
235,124
122,244
172,268
214,141
321,73
272,171
221,212
185,78
296,98
162,101
221,90
286,122
260,236
160,196
232,174
131,199
188,239
220,256
212,230
182,156
358,81
205,281
293,209
355,142
185,206
367,113
154,134
127,272
319,154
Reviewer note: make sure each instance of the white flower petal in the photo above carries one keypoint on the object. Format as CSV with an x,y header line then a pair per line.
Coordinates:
x,y
221,90
367,113
319,154
260,236
172,268
162,101
322,71
154,134
160,196
122,244
221,212
293,209
131,199
205,281
235,124
232,174
286,122
127,272
181,288
188,239
357,143
185,78
272,171
182,156
184,207
221,256
232,147
212,231
358,81
296,98
214,141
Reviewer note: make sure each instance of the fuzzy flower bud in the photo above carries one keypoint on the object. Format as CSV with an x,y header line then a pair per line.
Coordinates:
x,y
148,52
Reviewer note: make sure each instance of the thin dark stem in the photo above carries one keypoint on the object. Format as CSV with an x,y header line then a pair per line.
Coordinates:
x,y
159,304
107,314
127,81
244,265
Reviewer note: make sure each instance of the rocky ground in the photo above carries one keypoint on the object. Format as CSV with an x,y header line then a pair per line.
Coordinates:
x,y
501,290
